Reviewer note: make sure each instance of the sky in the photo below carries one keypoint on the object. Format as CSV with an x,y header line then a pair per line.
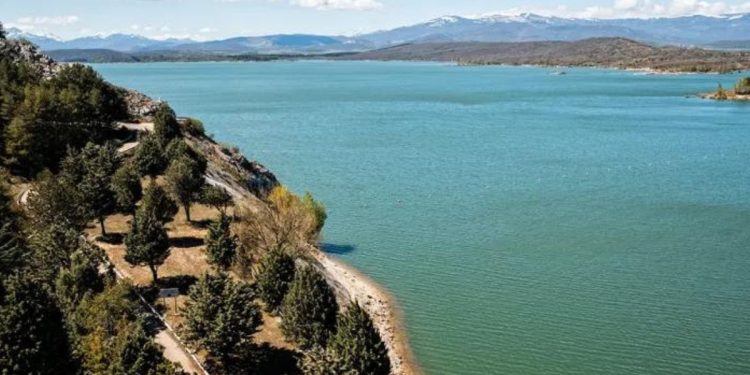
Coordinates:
x,y
215,19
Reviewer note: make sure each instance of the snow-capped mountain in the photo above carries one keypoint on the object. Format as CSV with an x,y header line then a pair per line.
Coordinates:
x,y
688,30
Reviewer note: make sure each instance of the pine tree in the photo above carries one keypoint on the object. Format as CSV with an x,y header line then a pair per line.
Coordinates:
x,y
33,339
166,127
357,344
11,242
275,273
54,201
139,355
216,197
221,244
91,171
157,203
82,278
309,309
221,317
147,243
2,31
184,181
126,184
149,156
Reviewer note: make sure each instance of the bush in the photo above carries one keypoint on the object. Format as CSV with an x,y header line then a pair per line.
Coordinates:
x,y
194,127
742,87
309,310
275,273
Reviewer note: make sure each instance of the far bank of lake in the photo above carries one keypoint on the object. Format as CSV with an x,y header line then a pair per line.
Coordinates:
x,y
527,223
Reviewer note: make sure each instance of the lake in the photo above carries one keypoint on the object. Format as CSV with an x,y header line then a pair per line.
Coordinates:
x,y
596,222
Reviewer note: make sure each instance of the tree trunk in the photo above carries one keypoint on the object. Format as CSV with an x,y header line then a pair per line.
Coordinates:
x,y
101,222
187,212
153,272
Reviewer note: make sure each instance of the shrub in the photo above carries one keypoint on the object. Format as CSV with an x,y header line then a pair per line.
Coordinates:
x,y
742,87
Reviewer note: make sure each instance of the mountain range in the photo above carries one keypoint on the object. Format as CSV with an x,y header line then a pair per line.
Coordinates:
x,y
727,31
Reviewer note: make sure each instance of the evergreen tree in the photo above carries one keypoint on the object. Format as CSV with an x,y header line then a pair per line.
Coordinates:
x,y
54,201
221,244
221,317
319,361
51,249
166,127
147,243
139,355
91,171
82,278
149,156
357,344
275,273
11,242
216,197
156,203
33,339
184,181
2,31
126,184
309,309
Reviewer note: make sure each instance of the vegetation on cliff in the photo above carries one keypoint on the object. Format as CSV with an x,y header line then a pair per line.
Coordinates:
x,y
61,306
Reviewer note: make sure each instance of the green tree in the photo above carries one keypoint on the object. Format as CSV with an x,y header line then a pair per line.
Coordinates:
x,y
82,278
147,243
2,31
149,156
157,203
309,309
221,244
358,345
12,245
166,127
51,249
53,201
33,339
91,171
126,184
184,181
318,211
221,317
216,197
139,355
275,273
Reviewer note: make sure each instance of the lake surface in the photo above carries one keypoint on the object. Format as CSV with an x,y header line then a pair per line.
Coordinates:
x,y
528,223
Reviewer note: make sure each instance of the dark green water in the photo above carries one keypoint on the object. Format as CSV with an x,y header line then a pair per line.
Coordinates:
x,y
591,223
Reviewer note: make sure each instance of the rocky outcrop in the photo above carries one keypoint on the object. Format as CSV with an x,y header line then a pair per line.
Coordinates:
x,y
139,106
21,50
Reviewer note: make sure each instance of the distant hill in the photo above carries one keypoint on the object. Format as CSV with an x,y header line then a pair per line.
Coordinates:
x,y
689,30
91,56
604,52
728,31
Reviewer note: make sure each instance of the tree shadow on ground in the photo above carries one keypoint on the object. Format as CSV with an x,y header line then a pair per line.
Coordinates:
x,y
112,238
273,360
202,224
181,282
330,248
185,242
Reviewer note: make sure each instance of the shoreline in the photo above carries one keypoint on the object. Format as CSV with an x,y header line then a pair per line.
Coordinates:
x,y
352,284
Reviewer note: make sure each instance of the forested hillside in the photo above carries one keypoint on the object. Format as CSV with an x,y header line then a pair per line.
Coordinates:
x,y
109,198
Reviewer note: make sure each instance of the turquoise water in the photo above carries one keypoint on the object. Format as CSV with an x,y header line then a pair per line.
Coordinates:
x,y
590,223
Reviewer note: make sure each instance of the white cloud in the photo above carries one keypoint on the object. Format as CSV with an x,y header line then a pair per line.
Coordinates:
x,y
207,30
650,8
339,4
56,21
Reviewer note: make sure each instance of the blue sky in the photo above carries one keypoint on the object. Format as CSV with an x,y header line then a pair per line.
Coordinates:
x,y
211,19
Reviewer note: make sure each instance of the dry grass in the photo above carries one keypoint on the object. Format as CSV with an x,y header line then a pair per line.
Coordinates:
x,y
187,258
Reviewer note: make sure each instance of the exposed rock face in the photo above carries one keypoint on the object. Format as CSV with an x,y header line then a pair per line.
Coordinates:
x,y
139,105
22,50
